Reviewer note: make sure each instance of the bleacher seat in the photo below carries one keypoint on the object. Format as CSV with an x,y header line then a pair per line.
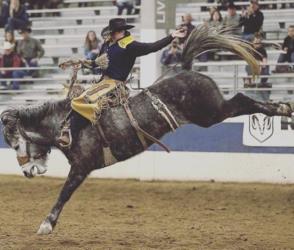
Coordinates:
x,y
63,36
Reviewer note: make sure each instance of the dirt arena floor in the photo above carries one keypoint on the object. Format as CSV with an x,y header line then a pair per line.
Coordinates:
x,y
128,214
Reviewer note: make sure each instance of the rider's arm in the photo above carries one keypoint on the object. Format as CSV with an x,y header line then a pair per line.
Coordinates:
x,y
140,49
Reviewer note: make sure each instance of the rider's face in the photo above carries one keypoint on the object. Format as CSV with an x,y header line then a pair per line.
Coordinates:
x,y
117,35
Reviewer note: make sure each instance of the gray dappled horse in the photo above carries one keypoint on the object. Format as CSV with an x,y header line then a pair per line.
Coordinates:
x,y
191,98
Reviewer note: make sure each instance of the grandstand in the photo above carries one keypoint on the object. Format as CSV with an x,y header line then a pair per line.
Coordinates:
x,y
62,36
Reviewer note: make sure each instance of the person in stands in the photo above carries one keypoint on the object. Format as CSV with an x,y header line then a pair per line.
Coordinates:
x,y
261,57
29,48
252,20
186,25
232,20
10,59
18,17
172,55
92,45
9,37
124,4
4,13
288,52
216,20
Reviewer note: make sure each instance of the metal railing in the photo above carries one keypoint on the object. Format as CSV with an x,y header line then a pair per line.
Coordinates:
x,y
236,75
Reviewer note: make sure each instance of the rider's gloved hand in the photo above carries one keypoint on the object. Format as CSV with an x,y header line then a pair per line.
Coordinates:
x,y
102,61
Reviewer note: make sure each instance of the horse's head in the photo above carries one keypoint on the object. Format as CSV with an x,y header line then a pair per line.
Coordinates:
x,y
31,149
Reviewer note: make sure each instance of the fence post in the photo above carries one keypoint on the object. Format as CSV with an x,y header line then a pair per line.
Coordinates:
x,y
235,88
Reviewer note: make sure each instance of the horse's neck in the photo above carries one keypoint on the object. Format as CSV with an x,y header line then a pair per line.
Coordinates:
x,y
46,118
54,119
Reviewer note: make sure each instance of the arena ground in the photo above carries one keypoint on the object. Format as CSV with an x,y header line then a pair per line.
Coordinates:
x,y
127,214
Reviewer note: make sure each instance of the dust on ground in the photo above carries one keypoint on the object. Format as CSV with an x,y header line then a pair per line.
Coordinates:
x,y
128,214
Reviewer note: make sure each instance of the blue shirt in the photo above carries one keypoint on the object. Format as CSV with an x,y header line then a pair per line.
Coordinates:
x,y
122,55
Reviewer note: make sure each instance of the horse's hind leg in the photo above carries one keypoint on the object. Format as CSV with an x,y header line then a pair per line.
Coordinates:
x,y
243,105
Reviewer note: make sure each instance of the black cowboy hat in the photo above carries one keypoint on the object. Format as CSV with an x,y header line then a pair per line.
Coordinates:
x,y
25,29
118,24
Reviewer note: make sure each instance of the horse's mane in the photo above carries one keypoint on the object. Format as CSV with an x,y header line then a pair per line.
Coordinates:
x,y
29,114
37,112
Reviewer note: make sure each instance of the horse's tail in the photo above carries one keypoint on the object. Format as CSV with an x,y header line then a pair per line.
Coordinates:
x,y
203,39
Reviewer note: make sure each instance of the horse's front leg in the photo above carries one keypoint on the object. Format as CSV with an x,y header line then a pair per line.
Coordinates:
x,y
72,183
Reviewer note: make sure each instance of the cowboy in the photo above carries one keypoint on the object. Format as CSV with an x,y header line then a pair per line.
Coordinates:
x,y
116,64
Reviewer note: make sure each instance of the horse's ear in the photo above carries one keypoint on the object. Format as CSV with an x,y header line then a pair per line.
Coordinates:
x,y
4,119
8,116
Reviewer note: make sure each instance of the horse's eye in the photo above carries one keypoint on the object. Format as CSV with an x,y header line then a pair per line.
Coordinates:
x,y
16,147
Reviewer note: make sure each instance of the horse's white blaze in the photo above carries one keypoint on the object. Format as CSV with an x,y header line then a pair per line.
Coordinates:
x,y
45,228
22,149
34,166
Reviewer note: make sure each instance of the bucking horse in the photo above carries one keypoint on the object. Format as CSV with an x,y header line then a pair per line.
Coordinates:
x,y
188,97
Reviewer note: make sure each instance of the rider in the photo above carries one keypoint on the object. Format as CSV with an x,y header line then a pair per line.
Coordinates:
x,y
117,61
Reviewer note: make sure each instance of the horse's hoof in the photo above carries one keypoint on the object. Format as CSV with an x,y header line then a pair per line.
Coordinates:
x,y
291,104
285,109
45,228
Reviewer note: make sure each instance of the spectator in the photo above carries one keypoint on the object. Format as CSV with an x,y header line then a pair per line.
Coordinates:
x,y
187,25
210,12
29,48
252,20
11,60
216,19
18,17
288,48
4,13
172,55
124,4
92,46
9,37
260,56
232,20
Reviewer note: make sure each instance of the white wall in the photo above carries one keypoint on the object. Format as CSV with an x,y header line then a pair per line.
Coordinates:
x,y
181,166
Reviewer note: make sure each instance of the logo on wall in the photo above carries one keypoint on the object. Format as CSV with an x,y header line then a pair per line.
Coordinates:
x,y
261,127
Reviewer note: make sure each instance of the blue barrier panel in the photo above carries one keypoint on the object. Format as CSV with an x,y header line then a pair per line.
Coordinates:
x,y
224,137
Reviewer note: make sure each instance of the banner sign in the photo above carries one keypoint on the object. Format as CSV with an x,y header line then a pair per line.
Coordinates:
x,y
263,131
165,12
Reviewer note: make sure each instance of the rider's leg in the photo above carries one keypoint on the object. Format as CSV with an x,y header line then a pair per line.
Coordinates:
x,y
77,123
71,128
